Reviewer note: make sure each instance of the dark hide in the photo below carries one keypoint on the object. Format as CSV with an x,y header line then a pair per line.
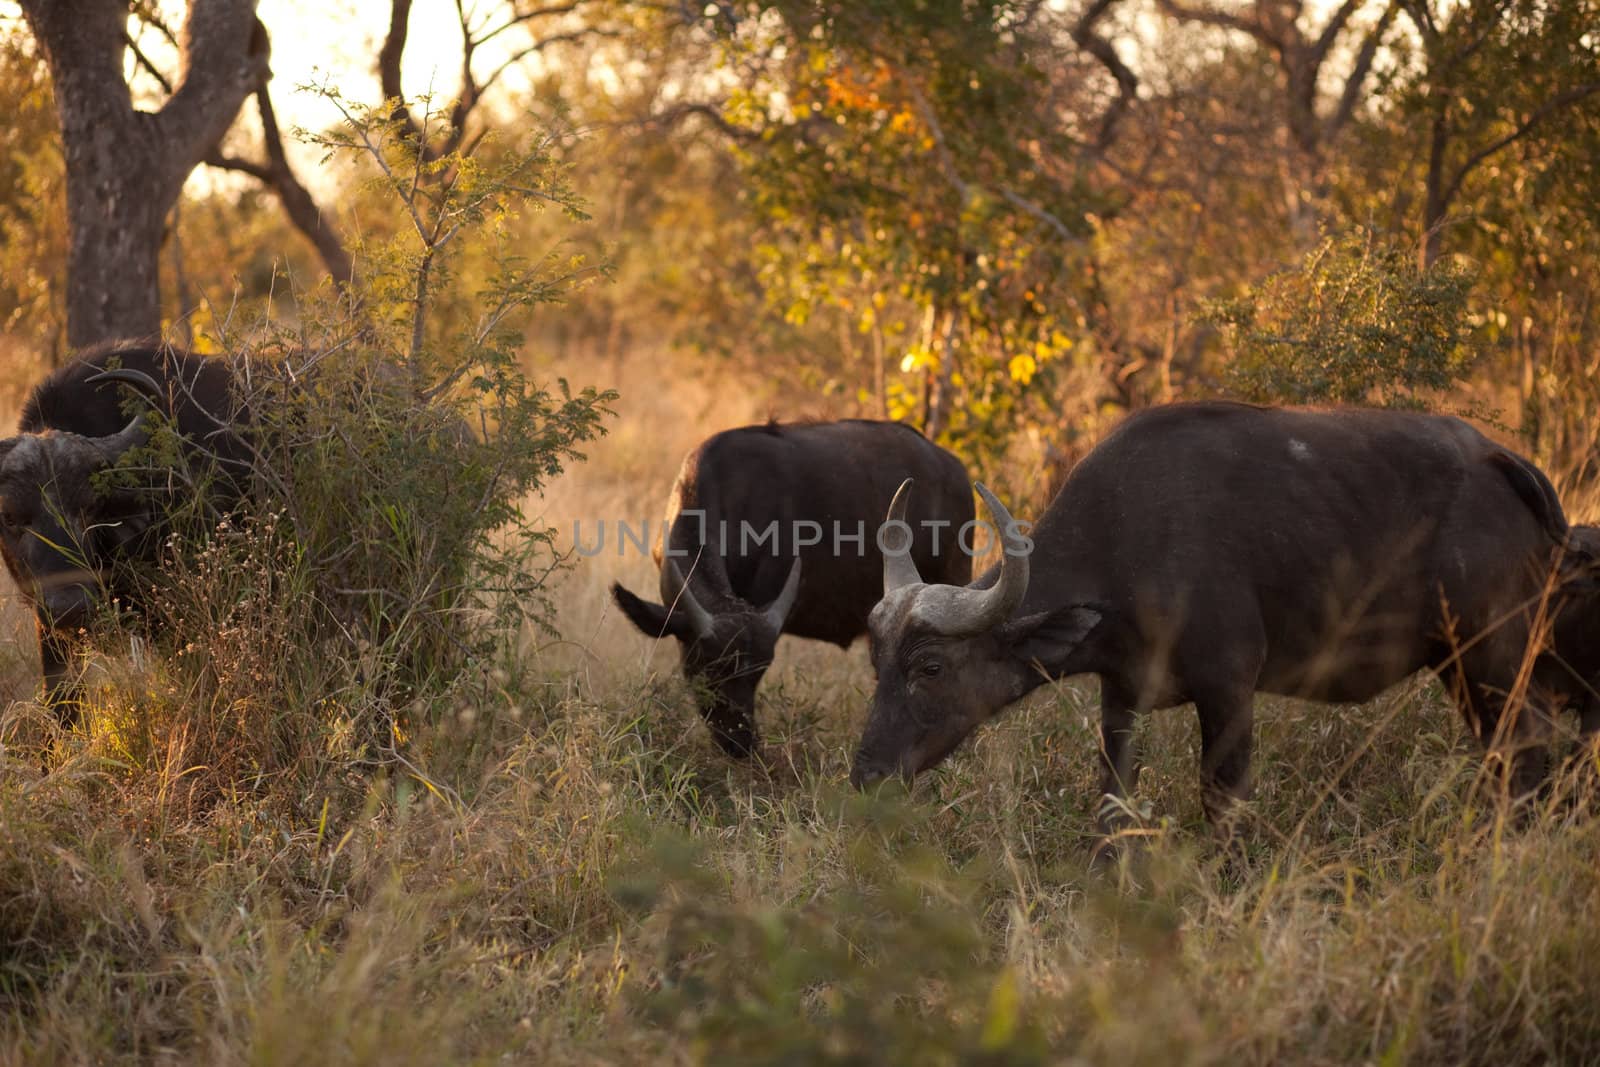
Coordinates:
x,y
1573,677
829,472
63,538
1204,552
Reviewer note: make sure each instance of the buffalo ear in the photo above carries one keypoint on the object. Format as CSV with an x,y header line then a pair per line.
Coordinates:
x,y
1050,638
652,619
1580,562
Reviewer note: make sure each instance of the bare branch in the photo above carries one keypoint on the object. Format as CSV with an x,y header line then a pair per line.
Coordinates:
x,y
524,17
594,32
1330,32
225,59
1027,206
947,162
302,210
261,172
144,61
1222,20
277,175
708,112
1539,114
1351,96
1084,35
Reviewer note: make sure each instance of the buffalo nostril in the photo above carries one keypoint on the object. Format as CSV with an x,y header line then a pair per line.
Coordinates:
x,y
863,774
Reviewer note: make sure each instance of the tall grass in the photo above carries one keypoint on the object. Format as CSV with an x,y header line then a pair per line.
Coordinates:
x,y
565,869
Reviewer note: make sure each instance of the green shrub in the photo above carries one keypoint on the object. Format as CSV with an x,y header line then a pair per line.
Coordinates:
x,y
383,565
1356,322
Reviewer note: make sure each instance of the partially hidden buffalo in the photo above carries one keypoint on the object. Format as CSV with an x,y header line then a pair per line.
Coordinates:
x,y
66,531
1574,657
774,529
1205,551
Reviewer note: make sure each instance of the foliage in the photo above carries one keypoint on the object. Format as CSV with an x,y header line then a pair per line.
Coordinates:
x,y
1357,322
893,160
33,250
385,563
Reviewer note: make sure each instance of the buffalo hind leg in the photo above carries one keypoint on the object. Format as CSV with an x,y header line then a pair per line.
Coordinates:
x,y
1521,745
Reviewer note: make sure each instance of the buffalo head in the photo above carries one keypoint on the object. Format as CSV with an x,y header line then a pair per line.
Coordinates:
x,y
948,657
725,649
60,528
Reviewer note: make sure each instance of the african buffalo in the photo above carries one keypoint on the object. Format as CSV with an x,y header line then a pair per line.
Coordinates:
x,y
64,531
776,528
1205,551
1573,676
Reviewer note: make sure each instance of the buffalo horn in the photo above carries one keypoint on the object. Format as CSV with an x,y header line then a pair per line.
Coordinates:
x,y
899,569
677,595
137,378
977,610
779,609
136,432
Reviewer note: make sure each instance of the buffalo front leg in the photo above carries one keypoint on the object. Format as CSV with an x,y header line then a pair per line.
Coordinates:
x,y
1516,734
62,692
1119,759
1227,720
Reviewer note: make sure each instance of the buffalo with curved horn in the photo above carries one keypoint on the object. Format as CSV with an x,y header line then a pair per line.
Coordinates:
x,y
1204,552
774,530
65,536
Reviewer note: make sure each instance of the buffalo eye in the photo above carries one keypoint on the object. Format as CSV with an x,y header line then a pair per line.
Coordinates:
x,y
930,668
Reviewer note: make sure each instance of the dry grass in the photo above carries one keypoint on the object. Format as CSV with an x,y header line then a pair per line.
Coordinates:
x,y
580,877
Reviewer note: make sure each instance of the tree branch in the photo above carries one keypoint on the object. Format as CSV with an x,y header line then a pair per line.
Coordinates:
x,y
588,32
1084,35
709,112
259,171
144,61
1351,96
298,203
225,58
1330,32
947,164
1544,111
1225,20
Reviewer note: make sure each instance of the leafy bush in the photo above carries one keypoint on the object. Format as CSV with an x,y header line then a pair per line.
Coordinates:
x,y
383,562
1358,321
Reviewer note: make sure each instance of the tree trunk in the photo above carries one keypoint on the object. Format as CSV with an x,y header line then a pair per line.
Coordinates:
x,y
115,210
1433,205
126,168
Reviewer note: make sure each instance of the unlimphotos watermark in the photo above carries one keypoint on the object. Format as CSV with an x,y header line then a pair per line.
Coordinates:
x,y
893,537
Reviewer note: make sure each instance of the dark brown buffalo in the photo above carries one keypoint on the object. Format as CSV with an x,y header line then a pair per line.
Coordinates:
x,y
1572,676
66,533
1207,551
838,477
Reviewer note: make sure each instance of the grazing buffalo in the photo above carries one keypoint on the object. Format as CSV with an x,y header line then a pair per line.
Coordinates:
x,y
1206,551
67,533
1574,660
773,529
